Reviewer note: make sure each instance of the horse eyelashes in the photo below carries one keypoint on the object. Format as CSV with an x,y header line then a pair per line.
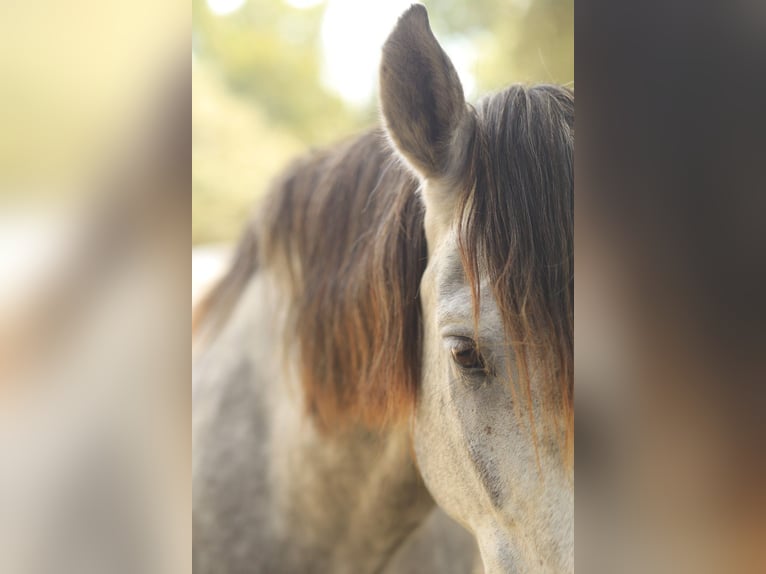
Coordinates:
x,y
467,356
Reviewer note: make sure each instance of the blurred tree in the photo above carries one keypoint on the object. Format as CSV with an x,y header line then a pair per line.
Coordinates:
x,y
544,46
268,53
236,151
518,40
259,97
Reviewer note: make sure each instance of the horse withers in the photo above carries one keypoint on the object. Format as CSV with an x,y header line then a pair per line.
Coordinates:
x,y
396,330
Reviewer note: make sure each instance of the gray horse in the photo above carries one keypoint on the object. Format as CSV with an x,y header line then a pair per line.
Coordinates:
x,y
396,331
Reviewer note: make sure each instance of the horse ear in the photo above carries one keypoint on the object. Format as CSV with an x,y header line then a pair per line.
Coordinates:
x,y
420,93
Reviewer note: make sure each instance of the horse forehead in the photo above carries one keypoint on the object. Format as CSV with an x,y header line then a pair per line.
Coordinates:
x,y
454,295
450,274
453,292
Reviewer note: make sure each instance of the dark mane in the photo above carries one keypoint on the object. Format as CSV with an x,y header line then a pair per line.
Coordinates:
x,y
517,226
345,227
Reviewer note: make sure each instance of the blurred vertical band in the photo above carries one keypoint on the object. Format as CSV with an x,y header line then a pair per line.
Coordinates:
x,y
671,277
95,170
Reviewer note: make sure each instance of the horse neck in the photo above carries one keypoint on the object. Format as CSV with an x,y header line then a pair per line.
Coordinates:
x,y
352,498
334,502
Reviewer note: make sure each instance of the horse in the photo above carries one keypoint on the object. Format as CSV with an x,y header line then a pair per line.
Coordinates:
x,y
394,335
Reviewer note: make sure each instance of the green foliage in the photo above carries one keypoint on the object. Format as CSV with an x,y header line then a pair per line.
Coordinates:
x,y
259,99
518,41
236,151
268,54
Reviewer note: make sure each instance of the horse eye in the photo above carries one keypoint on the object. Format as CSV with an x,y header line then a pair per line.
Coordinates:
x,y
467,356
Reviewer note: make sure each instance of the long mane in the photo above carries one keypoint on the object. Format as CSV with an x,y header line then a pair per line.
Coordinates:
x,y
343,228
517,230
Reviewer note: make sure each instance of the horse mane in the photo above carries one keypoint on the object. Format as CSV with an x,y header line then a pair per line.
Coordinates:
x,y
516,228
343,228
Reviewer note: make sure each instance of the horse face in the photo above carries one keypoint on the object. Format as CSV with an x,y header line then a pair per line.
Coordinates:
x,y
474,449
475,445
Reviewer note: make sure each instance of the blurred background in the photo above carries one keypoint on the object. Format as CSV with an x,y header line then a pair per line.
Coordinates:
x,y
78,80
95,169
97,186
95,172
272,78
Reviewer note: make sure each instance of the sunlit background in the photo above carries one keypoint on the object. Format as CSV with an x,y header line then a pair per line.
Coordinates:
x,y
669,331
94,251
273,77
76,79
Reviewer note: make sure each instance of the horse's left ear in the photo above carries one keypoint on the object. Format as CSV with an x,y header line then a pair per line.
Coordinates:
x,y
421,95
